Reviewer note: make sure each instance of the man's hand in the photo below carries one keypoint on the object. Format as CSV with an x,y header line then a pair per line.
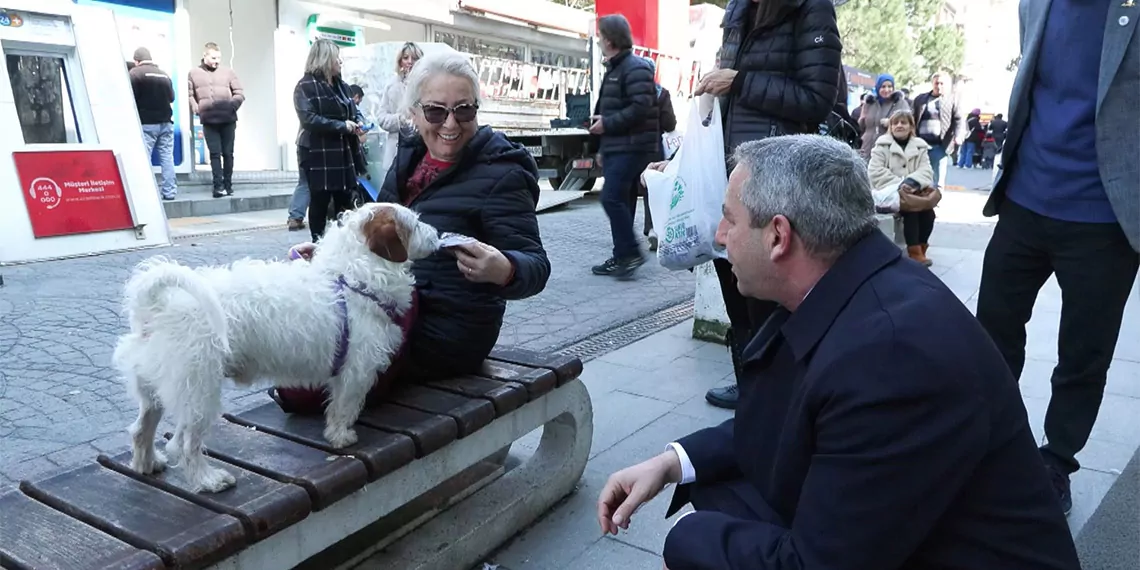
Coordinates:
x,y
597,128
658,166
628,489
718,82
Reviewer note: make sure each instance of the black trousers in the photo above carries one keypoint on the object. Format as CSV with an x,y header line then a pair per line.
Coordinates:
x,y
917,227
220,142
1095,268
745,315
319,203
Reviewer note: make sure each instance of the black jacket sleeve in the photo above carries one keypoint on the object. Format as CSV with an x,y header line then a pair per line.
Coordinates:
x,y
808,93
640,94
890,458
511,226
668,116
309,118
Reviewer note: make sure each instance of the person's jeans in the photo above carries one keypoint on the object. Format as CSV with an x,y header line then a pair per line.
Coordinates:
x,y
300,201
161,136
937,154
917,227
966,155
1095,268
622,172
220,142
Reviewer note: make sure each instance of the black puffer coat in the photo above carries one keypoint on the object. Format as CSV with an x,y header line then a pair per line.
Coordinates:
x,y
787,69
490,195
627,102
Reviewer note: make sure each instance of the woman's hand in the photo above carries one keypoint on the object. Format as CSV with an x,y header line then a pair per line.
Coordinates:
x,y
353,127
718,82
482,263
658,166
303,251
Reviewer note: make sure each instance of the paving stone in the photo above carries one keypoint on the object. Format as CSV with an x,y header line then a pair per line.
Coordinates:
x,y
59,322
617,415
611,554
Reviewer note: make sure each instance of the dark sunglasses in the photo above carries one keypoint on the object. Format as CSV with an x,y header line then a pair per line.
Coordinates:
x,y
437,114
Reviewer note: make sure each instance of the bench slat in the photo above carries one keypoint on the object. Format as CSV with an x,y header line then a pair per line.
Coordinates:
x,y
538,381
36,536
506,396
430,432
263,506
381,452
326,477
470,414
180,532
567,368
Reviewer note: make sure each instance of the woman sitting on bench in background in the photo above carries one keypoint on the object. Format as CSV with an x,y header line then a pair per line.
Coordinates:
x,y
903,182
470,180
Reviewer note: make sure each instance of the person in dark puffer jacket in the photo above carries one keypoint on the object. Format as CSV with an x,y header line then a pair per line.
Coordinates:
x,y
778,74
626,119
466,179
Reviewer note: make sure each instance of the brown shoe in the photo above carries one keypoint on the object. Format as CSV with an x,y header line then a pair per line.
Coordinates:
x,y
915,253
929,261
296,225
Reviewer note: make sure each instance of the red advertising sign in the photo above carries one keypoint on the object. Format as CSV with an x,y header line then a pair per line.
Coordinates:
x,y
73,191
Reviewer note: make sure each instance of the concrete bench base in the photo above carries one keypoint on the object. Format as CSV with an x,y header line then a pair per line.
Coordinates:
x,y
474,527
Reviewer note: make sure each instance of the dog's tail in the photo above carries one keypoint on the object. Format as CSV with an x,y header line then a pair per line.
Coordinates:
x,y
154,276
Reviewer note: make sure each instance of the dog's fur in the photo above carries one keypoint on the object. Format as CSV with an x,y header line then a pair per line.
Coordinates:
x,y
264,320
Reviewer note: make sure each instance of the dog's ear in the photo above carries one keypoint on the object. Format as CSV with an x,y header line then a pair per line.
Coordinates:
x,y
382,235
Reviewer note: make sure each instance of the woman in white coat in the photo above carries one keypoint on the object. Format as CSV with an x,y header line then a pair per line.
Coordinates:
x,y
903,182
390,118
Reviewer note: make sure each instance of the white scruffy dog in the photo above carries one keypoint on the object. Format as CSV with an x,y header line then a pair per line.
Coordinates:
x,y
326,322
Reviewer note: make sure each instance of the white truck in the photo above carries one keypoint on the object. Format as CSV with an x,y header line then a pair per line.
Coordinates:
x,y
543,107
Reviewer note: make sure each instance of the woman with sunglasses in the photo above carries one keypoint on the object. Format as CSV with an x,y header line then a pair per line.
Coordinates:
x,y
466,179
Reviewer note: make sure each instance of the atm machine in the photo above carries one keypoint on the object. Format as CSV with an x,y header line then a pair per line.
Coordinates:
x,y
74,176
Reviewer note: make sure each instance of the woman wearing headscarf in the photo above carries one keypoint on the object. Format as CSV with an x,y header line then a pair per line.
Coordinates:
x,y
877,110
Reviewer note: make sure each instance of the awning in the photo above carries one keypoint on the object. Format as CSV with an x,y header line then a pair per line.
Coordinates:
x,y
536,13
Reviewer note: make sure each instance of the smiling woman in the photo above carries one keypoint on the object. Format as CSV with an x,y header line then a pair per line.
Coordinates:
x,y
464,179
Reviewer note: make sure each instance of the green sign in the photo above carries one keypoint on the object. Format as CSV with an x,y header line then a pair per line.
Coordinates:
x,y
341,36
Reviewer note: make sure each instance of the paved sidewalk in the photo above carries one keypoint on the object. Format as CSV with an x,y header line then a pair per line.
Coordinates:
x,y
61,403
651,392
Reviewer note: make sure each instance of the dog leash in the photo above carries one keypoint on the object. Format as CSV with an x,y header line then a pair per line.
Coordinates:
x,y
341,354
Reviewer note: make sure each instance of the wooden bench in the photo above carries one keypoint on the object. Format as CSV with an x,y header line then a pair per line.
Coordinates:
x,y
297,498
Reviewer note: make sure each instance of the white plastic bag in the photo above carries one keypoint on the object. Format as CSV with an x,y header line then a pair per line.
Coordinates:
x,y
687,198
671,142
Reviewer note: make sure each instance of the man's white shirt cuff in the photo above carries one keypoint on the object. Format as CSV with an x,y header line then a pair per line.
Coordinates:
x,y
688,472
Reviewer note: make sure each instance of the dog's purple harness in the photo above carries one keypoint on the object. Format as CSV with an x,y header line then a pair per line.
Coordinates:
x,y
341,354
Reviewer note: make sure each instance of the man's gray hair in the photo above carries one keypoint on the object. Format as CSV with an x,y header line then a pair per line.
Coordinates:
x,y
817,182
450,62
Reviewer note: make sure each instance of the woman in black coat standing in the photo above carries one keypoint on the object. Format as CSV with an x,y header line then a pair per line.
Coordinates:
x,y
778,74
328,145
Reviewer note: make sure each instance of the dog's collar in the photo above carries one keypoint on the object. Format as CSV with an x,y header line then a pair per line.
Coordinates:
x,y
389,308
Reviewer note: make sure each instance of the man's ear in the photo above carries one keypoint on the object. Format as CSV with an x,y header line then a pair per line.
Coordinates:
x,y
781,237
382,236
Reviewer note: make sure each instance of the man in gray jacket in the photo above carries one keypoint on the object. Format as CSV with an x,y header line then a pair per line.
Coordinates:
x,y
1068,197
215,96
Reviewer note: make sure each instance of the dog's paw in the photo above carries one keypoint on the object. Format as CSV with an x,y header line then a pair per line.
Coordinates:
x,y
340,437
147,464
216,480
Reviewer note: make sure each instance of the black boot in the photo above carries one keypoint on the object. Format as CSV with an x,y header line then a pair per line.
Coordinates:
x,y
727,396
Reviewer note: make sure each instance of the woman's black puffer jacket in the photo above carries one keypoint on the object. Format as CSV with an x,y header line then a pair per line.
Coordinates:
x,y
490,194
787,68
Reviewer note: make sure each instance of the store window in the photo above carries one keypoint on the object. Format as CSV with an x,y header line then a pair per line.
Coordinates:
x,y
43,98
546,57
480,46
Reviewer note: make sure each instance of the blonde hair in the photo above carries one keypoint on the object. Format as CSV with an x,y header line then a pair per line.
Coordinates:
x,y
409,48
905,117
322,55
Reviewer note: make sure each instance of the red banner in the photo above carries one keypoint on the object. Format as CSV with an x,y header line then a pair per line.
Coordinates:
x,y
73,191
